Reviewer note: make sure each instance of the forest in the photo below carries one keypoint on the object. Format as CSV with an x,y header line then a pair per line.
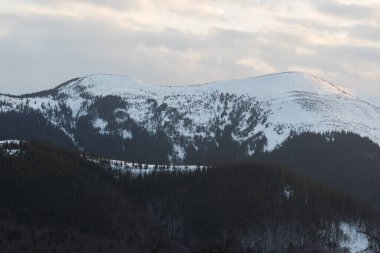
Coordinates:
x,y
55,200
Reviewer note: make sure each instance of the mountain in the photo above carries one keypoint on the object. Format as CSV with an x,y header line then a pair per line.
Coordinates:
x,y
315,128
124,118
56,200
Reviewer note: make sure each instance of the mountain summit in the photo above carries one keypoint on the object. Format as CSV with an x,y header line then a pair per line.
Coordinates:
x,y
272,84
257,114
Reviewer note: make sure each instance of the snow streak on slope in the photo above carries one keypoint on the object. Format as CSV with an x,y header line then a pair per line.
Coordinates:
x,y
271,107
140,169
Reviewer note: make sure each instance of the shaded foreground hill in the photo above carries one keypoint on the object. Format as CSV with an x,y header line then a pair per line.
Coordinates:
x,y
54,200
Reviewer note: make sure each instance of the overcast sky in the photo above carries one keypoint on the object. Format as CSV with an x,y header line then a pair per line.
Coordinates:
x,y
46,42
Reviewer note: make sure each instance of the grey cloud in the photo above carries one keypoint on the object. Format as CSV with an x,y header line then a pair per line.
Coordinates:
x,y
367,32
351,11
312,24
112,4
41,51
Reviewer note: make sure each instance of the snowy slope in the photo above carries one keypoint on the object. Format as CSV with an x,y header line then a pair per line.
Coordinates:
x,y
271,107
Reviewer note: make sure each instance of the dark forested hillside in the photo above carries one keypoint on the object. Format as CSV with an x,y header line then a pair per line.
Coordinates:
x,y
248,208
29,124
54,200
143,147
344,161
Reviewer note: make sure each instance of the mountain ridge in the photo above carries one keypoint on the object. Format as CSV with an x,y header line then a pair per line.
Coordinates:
x,y
319,82
136,80
260,112
207,84
343,90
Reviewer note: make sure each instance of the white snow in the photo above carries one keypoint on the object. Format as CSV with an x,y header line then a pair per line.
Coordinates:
x,y
136,169
126,134
179,151
10,151
354,240
13,152
100,124
288,192
2,142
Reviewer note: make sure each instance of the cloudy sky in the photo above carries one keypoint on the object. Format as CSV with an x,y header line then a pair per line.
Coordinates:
x,y
46,42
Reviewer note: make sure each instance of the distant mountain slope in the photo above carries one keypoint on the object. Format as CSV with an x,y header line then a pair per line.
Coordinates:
x,y
255,114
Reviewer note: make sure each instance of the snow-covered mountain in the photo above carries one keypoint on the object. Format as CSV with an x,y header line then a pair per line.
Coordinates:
x,y
259,113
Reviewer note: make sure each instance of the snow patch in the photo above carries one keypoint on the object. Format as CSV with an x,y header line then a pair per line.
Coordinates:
x,y
100,124
136,169
353,239
3,142
179,152
126,134
10,151
288,192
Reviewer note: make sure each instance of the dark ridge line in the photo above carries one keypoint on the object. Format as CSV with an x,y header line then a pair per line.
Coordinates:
x,y
42,93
